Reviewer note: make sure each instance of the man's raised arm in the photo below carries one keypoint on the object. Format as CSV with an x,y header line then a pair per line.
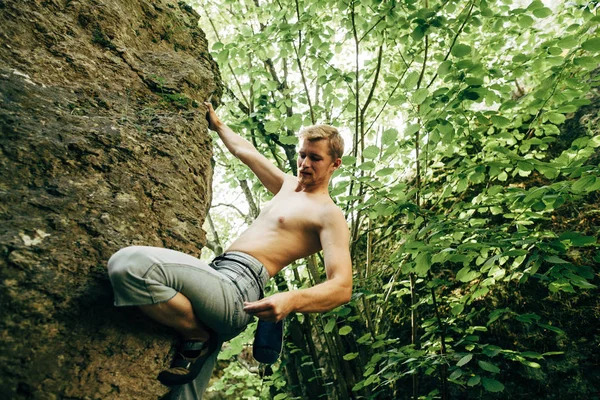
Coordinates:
x,y
270,176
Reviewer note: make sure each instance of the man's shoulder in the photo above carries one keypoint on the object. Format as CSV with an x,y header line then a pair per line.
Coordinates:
x,y
331,212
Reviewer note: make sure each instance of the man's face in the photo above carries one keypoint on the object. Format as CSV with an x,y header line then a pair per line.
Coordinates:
x,y
315,164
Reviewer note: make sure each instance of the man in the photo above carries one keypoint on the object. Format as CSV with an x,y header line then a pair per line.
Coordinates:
x,y
208,304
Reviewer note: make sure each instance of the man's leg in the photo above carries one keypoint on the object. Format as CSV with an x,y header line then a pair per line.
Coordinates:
x,y
178,314
195,389
170,286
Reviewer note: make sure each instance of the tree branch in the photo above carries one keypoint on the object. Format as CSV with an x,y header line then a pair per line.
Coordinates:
x,y
228,64
454,40
214,245
246,217
374,84
254,209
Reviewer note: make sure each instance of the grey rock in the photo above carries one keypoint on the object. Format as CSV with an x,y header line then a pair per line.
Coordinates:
x,y
103,144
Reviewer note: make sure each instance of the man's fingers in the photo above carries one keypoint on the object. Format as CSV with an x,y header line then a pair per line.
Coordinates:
x,y
267,315
257,306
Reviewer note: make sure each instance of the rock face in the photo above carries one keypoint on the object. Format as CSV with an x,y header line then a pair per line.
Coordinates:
x,y
103,144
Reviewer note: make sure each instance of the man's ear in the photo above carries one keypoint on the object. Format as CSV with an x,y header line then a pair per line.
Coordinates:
x,y
337,163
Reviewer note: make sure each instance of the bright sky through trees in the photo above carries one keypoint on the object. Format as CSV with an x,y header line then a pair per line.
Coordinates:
x,y
456,175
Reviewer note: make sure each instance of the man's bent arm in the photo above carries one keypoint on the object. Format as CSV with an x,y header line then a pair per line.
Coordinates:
x,y
319,298
337,290
270,176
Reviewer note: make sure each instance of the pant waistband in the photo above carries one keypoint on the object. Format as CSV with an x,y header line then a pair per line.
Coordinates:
x,y
254,266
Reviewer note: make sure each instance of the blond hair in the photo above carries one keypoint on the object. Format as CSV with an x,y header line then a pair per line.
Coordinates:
x,y
320,132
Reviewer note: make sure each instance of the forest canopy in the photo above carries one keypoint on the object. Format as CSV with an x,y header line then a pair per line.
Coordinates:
x,y
470,185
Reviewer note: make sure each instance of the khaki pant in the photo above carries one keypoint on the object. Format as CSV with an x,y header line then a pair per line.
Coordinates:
x,y
148,275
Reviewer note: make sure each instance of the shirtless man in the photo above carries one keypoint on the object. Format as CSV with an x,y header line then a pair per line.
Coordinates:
x,y
208,304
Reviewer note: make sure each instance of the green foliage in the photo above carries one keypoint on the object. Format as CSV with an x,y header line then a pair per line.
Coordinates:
x,y
472,203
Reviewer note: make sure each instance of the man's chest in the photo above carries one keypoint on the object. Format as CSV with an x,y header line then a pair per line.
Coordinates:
x,y
292,213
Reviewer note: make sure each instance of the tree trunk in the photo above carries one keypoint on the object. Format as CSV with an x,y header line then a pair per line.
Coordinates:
x,y
103,145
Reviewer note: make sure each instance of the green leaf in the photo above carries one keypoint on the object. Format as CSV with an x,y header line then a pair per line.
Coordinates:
x,y
456,374
567,42
525,21
464,360
543,12
272,126
556,118
465,274
385,171
348,160
583,184
461,50
418,33
412,128
280,396
586,62
519,58
553,353
500,121
530,364
223,56
535,4
423,263
494,315
444,68
532,354
364,338
492,385
329,326
577,239
552,328
474,81
294,122
491,350
350,356
367,166
397,100
525,166
487,366
457,309
389,136
411,80
420,95
474,380
555,260
569,108
548,171
285,139
345,330
371,152
591,44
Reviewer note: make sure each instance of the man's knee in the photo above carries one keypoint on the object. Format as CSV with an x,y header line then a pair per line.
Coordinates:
x,y
124,263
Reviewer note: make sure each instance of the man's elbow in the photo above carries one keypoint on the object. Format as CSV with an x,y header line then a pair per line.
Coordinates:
x,y
345,294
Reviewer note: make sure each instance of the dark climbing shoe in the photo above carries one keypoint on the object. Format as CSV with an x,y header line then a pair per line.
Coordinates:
x,y
268,341
188,361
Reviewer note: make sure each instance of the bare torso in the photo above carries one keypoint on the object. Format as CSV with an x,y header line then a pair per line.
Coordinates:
x,y
287,228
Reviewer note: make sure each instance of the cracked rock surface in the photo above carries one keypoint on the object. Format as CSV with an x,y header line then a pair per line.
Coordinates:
x,y
103,144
